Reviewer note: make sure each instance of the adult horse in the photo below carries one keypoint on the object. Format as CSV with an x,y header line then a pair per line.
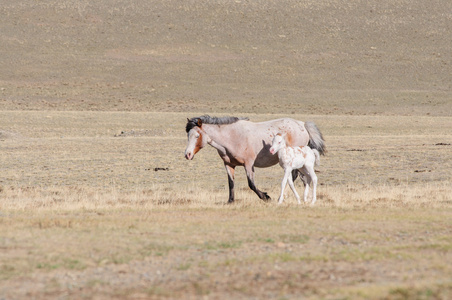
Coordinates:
x,y
240,142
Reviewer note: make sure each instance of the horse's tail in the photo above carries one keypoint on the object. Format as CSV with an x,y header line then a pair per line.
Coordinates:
x,y
316,140
317,157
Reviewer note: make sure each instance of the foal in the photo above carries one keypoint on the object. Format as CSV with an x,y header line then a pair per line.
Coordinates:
x,y
291,158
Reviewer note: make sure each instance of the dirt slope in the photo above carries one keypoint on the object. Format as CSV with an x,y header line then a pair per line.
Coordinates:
x,y
327,57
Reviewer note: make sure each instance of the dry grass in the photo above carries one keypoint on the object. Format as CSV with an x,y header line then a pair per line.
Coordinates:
x,y
84,213
97,202
60,199
87,149
357,242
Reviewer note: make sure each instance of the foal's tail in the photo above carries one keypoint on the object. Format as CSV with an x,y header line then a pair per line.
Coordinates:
x,y
316,140
317,157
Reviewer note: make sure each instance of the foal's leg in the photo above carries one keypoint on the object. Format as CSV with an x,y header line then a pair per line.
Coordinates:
x,y
250,176
230,170
313,178
314,188
308,183
293,189
307,187
287,174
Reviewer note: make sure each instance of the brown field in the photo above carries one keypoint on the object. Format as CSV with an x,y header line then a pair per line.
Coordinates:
x,y
97,201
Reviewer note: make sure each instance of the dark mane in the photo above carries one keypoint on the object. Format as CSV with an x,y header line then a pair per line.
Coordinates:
x,y
191,123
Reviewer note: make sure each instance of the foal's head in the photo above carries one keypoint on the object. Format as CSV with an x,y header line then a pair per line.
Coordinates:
x,y
279,142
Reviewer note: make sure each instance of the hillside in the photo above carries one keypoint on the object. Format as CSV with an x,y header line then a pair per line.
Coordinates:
x,y
314,57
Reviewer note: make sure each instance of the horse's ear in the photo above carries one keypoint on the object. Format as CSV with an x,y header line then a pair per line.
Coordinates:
x,y
199,123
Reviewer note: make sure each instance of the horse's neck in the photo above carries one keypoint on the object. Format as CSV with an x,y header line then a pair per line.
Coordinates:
x,y
216,137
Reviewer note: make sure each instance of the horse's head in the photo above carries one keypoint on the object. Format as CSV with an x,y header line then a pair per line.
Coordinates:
x,y
197,139
279,142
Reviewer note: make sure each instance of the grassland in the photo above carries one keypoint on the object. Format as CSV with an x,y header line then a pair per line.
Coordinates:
x,y
97,201
85,214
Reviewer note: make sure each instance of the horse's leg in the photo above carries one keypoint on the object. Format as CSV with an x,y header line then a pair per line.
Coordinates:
x,y
295,174
293,189
230,170
250,175
283,185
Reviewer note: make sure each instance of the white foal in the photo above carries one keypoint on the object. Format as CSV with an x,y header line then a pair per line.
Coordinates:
x,y
291,158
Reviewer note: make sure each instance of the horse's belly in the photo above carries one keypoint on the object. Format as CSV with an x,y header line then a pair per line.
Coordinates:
x,y
267,161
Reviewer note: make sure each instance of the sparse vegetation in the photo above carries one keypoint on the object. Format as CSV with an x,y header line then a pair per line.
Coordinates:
x,y
90,216
99,215
97,201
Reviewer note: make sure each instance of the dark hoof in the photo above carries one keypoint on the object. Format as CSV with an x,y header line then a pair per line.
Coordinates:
x,y
266,197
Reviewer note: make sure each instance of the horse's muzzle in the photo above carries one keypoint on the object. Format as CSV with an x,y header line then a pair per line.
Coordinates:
x,y
189,156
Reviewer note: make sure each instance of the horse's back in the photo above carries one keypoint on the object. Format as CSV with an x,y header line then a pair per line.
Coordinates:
x,y
260,136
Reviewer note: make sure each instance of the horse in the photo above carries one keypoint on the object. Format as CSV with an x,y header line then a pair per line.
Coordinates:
x,y
240,142
302,158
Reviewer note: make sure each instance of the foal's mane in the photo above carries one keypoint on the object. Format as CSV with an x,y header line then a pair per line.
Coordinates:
x,y
191,123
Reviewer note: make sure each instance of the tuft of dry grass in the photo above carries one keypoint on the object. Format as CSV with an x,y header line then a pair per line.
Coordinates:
x,y
432,195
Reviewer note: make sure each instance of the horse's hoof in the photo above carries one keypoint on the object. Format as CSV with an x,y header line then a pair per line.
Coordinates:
x,y
266,197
